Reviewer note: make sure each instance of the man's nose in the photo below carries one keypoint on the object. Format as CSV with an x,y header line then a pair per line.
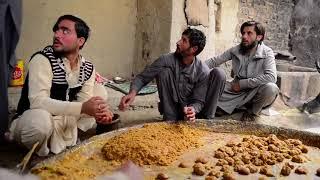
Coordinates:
x,y
178,42
57,33
244,36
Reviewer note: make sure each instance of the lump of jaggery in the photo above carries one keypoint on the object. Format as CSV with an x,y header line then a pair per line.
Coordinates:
x,y
230,161
252,168
228,176
304,149
285,170
231,144
215,173
266,170
162,176
244,170
294,142
258,162
273,148
198,169
290,165
184,165
219,154
226,168
210,178
222,162
298,159
301,170
202,160
318,172
153,144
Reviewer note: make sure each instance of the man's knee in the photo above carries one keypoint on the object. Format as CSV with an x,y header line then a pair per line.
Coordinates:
x,y
269,90
34,125
217,74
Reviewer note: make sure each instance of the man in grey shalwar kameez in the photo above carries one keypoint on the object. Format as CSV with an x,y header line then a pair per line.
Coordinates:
x,y
254,68
10,23
182,79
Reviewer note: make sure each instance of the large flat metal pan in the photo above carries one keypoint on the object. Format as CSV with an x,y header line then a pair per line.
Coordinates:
x,y
92,147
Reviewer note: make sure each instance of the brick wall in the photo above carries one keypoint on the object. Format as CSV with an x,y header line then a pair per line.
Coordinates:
x,y
275,15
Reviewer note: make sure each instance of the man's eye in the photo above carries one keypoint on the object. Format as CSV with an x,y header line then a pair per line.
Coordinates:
x,y
65,31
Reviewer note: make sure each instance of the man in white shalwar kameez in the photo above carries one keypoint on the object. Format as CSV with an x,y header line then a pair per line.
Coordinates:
x,y
57,97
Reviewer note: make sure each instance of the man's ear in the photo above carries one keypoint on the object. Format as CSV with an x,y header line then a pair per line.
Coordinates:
x,y
81,41
194,49
259,37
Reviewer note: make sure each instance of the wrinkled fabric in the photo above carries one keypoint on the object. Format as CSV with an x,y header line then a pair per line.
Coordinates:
x,y
10,24
251,71
186,85
38,124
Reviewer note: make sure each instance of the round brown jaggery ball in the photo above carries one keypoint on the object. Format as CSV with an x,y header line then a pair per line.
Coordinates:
x,y
265,170
285,171
215,173
318,172
202,160
244,170
228,176
298,159
301,170
162,176
198,169
210,178
253,169
184,165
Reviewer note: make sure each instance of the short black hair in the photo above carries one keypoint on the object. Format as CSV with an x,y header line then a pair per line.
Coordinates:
x,y
196,38
258,28
81,27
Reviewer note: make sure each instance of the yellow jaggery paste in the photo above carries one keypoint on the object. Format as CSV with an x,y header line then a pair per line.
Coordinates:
x,y
153,144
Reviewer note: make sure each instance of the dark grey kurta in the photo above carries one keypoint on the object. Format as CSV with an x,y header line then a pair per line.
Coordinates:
x,y
252,71
179,85
10,21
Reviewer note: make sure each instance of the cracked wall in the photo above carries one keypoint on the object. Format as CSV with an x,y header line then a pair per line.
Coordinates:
x,y
153,32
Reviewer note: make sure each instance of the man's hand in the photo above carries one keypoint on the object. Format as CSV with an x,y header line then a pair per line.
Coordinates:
x,y
93,106
105,115
189,113
235,86
127,100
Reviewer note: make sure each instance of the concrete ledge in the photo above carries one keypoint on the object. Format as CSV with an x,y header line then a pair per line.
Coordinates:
x,y
114,97
299,85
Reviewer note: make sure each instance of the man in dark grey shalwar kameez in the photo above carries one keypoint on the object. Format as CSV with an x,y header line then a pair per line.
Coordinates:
x,y
182,79
10,22
254,67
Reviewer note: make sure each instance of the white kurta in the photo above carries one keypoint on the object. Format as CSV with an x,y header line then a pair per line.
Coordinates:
x,y
56,120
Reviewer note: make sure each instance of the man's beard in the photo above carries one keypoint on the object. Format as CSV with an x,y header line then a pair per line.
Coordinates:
x,y
178,53
245,49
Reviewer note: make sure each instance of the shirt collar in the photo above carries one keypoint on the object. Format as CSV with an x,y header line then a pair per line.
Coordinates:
x,y
258,54
66,63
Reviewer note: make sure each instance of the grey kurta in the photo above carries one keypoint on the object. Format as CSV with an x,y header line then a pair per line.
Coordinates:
x,y
179,85
252,72
10,22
